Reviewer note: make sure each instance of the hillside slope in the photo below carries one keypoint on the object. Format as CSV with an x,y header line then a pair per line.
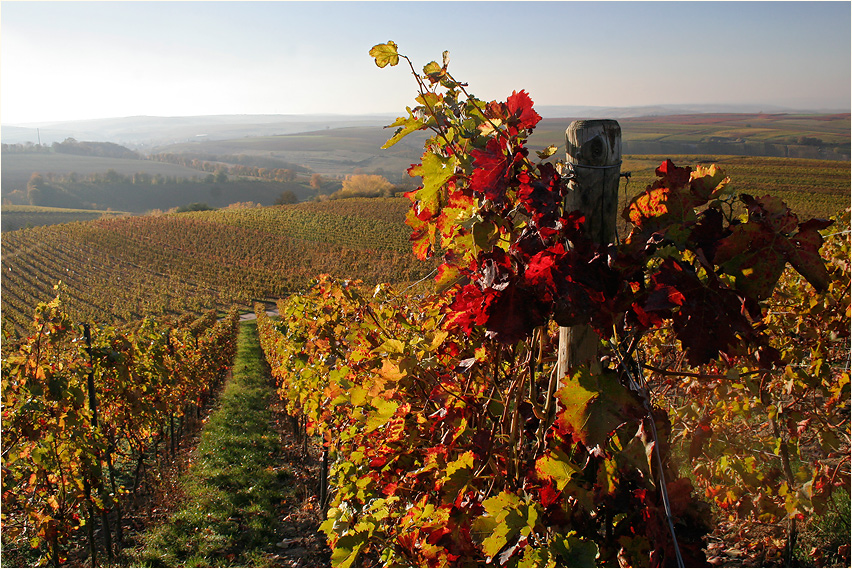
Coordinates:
x,y
120,269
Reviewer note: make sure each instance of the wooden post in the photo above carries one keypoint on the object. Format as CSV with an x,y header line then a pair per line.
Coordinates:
x,y
93,405
593,150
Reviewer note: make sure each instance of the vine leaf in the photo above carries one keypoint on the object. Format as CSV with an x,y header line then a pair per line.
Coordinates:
x,y
558,467
756,252
345,553
520,108
506,517
709,319
755,258
575,551
489,177
406,127
547,152
385,54
422,235
436,171
593,406
384,411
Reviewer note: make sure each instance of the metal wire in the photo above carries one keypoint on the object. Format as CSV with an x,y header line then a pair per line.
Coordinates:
x,y
607,167
640,386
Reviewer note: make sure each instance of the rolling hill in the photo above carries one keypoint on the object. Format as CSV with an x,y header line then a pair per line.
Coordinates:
x,y
18,167
337,152
122,269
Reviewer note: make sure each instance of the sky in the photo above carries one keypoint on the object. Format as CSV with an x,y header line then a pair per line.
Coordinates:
x,y
82,60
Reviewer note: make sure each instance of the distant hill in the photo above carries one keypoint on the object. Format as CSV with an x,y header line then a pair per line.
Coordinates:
x,y
557,111
143,132
134,185
340,151
335,152
812,136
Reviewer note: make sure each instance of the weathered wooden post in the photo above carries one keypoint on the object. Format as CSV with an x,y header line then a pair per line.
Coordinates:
x,y
593,151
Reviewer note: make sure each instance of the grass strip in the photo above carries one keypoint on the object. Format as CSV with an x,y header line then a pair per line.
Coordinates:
x,y
232,488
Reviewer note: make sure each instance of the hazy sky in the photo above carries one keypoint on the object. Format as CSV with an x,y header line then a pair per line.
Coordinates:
x,y
77,60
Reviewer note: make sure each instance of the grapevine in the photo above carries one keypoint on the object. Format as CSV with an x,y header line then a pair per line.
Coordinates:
x,y
61,452
452,440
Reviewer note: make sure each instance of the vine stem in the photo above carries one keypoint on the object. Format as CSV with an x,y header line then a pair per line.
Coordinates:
x,y
423,90
678,373
792,530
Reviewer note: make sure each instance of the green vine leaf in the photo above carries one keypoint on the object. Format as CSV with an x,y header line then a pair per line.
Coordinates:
x,y
385,54
507,516
436,171
406,127
557,466
595,405
575,551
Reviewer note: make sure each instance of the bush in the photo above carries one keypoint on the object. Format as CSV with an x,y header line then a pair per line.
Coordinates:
x,y
194,207
364,186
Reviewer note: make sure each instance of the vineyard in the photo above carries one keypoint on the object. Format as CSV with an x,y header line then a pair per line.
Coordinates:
x,y
122,269
673,392
812,188
87,414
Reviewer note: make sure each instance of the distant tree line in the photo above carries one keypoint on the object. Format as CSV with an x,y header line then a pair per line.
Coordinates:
x,y
112,177
27,147
102,149
142,191
72,146
222,165
256,160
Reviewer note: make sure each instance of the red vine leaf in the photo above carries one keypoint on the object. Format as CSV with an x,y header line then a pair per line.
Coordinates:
x,y
710,319
756,252
521,112
489,177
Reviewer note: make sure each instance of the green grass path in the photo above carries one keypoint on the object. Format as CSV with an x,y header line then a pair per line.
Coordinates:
x,y
233,487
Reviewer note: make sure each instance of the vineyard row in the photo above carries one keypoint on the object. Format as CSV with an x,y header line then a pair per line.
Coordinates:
x,y
85,409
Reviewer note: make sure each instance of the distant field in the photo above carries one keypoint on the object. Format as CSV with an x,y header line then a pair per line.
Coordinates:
x,y
832,129
333,152
811,188
341,151
336,152
732,134
17,168
16,217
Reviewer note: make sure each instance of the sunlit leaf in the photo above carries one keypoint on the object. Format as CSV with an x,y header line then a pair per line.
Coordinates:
x,y
385,54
